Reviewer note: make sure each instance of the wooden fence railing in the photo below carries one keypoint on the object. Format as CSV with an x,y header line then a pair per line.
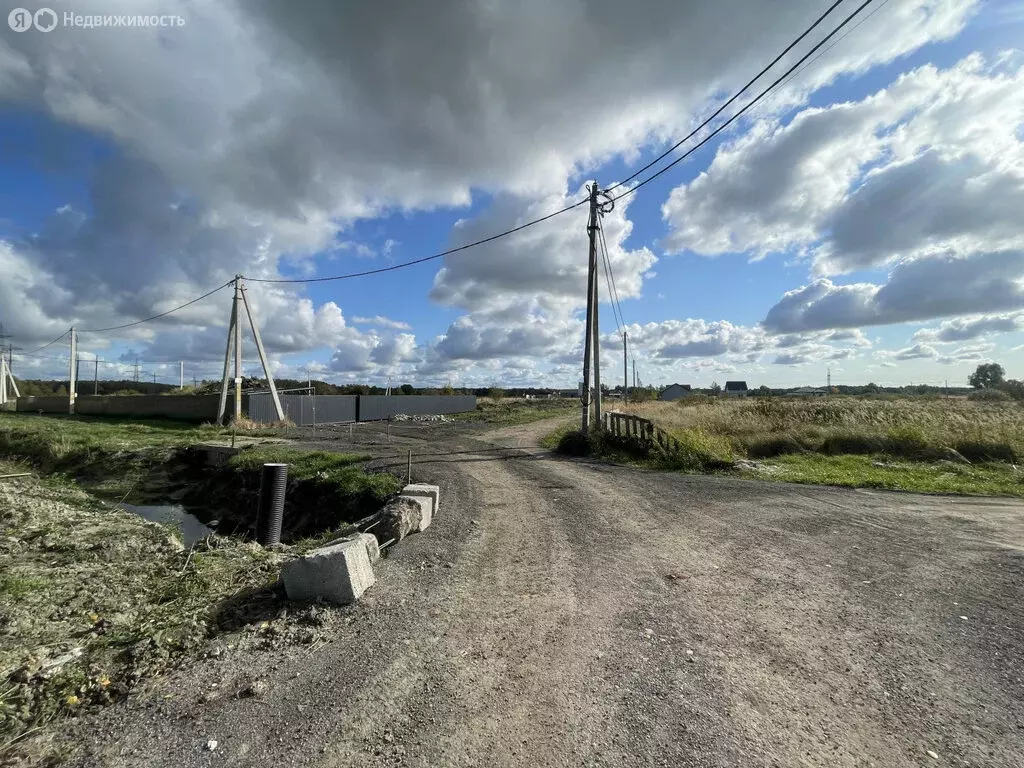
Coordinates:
x,y
627,428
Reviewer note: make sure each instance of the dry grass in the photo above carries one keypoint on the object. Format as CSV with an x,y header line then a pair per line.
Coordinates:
x,y
847,425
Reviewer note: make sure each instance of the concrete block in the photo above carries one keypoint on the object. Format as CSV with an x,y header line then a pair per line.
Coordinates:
x,y
426,505
423,489
338,573
369,541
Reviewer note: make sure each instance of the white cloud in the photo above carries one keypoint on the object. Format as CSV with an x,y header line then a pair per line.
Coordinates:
x,y
932,162
966,328
380,321
918,289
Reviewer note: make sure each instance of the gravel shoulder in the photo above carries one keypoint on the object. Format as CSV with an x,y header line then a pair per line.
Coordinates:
x,y
568,612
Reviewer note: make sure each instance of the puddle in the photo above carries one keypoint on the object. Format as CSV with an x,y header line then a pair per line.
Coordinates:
x,y
173,515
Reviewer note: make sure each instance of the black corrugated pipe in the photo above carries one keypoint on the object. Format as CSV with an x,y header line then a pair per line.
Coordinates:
x,y
270,512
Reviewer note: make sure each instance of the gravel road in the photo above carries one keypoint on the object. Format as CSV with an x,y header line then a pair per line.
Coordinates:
x,y
571,613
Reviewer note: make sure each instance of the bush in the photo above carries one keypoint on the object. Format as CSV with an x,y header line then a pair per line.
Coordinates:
x,y
908,442
989,396
852,442
573,443
776,445
699,451
975,450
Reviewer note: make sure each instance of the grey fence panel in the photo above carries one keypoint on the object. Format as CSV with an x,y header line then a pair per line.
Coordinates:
x,y
331,409
305,410
378,407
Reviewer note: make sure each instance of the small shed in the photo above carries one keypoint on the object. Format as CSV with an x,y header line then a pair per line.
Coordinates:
x,y
735,389
674,392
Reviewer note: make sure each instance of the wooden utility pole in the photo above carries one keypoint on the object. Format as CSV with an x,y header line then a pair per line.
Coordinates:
x,y
589,333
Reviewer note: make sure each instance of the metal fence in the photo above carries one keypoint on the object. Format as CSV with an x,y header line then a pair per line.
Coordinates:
x,y
307,410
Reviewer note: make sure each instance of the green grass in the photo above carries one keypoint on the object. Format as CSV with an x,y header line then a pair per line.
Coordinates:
x,y
900,444
508,412
870,472
341,471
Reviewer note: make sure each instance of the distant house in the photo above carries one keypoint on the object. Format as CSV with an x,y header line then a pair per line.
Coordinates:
x,y
735,389
807,392
674,392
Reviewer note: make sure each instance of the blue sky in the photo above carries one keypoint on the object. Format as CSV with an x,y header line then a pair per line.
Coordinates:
x,y
862,219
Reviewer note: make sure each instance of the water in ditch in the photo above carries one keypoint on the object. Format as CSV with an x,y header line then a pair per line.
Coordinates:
x,y
173,515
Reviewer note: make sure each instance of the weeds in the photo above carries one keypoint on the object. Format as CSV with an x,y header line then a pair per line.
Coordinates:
x,y
840,439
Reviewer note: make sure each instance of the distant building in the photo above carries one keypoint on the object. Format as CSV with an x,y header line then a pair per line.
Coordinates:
x,y
735,389
674,392
807,392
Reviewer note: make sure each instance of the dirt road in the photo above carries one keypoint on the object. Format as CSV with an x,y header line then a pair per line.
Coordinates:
x,y
571,613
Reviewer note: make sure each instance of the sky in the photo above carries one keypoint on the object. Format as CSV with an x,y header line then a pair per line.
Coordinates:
x,y
864,218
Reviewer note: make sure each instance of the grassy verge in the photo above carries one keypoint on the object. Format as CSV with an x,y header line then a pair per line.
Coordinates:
x,y
927,444
95,600
508,412
991,479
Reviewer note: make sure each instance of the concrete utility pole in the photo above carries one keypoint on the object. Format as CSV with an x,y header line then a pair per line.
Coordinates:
x,y
181,374
634,375
96,375
238,348
625,365
235,337
588,338
72,372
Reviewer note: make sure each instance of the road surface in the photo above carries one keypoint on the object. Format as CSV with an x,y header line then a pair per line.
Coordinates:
x,y
571,613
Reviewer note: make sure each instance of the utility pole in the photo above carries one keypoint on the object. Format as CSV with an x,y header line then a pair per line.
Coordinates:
x,y
181,374
238,348
154,378
136,370
72,371
96,375
239,302
588,338
634,375
625,365
195,383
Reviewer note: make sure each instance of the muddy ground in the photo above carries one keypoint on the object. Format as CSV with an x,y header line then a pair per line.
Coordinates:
x,y
567,612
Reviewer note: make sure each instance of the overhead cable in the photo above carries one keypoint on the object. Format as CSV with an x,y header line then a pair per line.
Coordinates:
x,y
749,105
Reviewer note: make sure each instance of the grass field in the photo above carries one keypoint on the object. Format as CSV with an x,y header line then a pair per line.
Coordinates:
x,y
509,411
897,443
93,599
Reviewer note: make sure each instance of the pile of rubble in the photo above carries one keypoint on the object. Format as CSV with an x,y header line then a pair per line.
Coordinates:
x,y
440,417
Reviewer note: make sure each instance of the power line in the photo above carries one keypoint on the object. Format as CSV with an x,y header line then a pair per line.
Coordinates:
x,y
834,43
162,314
432,257
743,111
47,344
613,291
735,96
568,208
